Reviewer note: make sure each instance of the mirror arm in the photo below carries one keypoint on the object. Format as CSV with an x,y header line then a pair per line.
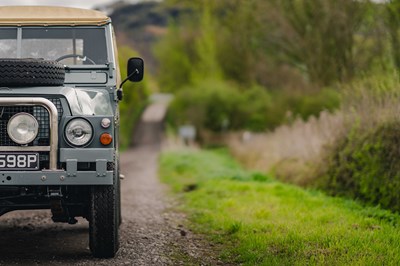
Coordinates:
x,y
128,77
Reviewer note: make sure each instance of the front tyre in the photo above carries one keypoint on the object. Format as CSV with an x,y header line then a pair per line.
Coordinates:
x,y
103,222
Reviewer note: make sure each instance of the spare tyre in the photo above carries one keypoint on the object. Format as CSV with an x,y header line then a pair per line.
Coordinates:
x,y
30,72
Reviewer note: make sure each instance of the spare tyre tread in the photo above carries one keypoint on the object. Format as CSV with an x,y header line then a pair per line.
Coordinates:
x,y
31,72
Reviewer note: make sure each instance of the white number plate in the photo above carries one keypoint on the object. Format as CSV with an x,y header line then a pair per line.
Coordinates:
x,y
19,161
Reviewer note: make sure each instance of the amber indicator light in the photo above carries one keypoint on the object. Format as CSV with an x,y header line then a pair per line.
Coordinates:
x,y
105,139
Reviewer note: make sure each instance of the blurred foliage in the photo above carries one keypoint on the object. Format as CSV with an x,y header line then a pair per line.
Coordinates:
x,y
319,35
364,163
295,53
366,166
257,64
140,15
208,107
174,69
134,100
218,106
393,23
141,25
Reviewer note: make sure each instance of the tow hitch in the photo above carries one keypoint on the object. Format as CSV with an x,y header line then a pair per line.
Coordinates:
x,y
57,206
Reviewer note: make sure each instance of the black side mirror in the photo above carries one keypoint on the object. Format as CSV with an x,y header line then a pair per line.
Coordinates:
x,y
135,69
135,72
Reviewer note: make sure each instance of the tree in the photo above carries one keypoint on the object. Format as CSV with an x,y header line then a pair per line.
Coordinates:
x,y
393,24
318,36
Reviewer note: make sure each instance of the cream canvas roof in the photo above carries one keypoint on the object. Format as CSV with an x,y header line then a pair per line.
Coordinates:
x,y
47,15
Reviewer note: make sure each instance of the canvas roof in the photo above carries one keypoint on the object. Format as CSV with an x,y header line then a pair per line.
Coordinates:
x,y
48,15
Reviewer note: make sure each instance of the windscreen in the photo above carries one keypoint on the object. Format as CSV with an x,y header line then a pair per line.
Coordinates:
x,y
8,43
70,46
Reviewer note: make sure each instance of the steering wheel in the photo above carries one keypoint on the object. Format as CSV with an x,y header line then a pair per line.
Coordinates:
x,y
81,57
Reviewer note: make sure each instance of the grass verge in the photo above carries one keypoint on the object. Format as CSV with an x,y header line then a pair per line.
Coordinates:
x,y
260,221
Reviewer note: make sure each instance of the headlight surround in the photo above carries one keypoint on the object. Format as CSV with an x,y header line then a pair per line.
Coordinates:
x,y
79,132
22,128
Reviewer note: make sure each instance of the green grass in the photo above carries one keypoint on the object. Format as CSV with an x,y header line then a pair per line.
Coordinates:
x,y
259,221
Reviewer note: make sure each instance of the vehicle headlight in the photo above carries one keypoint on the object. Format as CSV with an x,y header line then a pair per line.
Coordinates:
x,y
78,132
22,128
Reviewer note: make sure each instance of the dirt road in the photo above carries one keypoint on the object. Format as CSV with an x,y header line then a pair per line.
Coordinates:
x,y
151,232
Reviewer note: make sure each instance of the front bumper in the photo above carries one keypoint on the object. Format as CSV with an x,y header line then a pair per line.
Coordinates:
x,y
70,175
45,178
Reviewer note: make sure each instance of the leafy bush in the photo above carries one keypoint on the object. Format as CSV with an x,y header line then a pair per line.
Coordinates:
x,y
313,104
216,105
367,167
365,162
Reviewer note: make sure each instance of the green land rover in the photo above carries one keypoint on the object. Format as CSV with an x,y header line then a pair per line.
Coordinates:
x,y
59,118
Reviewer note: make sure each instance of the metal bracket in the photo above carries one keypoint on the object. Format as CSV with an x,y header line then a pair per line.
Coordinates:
x,y
72,167
101,167
111,69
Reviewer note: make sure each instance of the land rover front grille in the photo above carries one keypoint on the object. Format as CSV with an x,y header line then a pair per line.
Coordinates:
x,y
41,115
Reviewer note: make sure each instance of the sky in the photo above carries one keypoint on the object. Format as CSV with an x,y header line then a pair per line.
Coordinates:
x,y
69,3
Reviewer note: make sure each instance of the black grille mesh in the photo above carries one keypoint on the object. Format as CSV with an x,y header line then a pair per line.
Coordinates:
x,y
110,166
39,112
43,118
